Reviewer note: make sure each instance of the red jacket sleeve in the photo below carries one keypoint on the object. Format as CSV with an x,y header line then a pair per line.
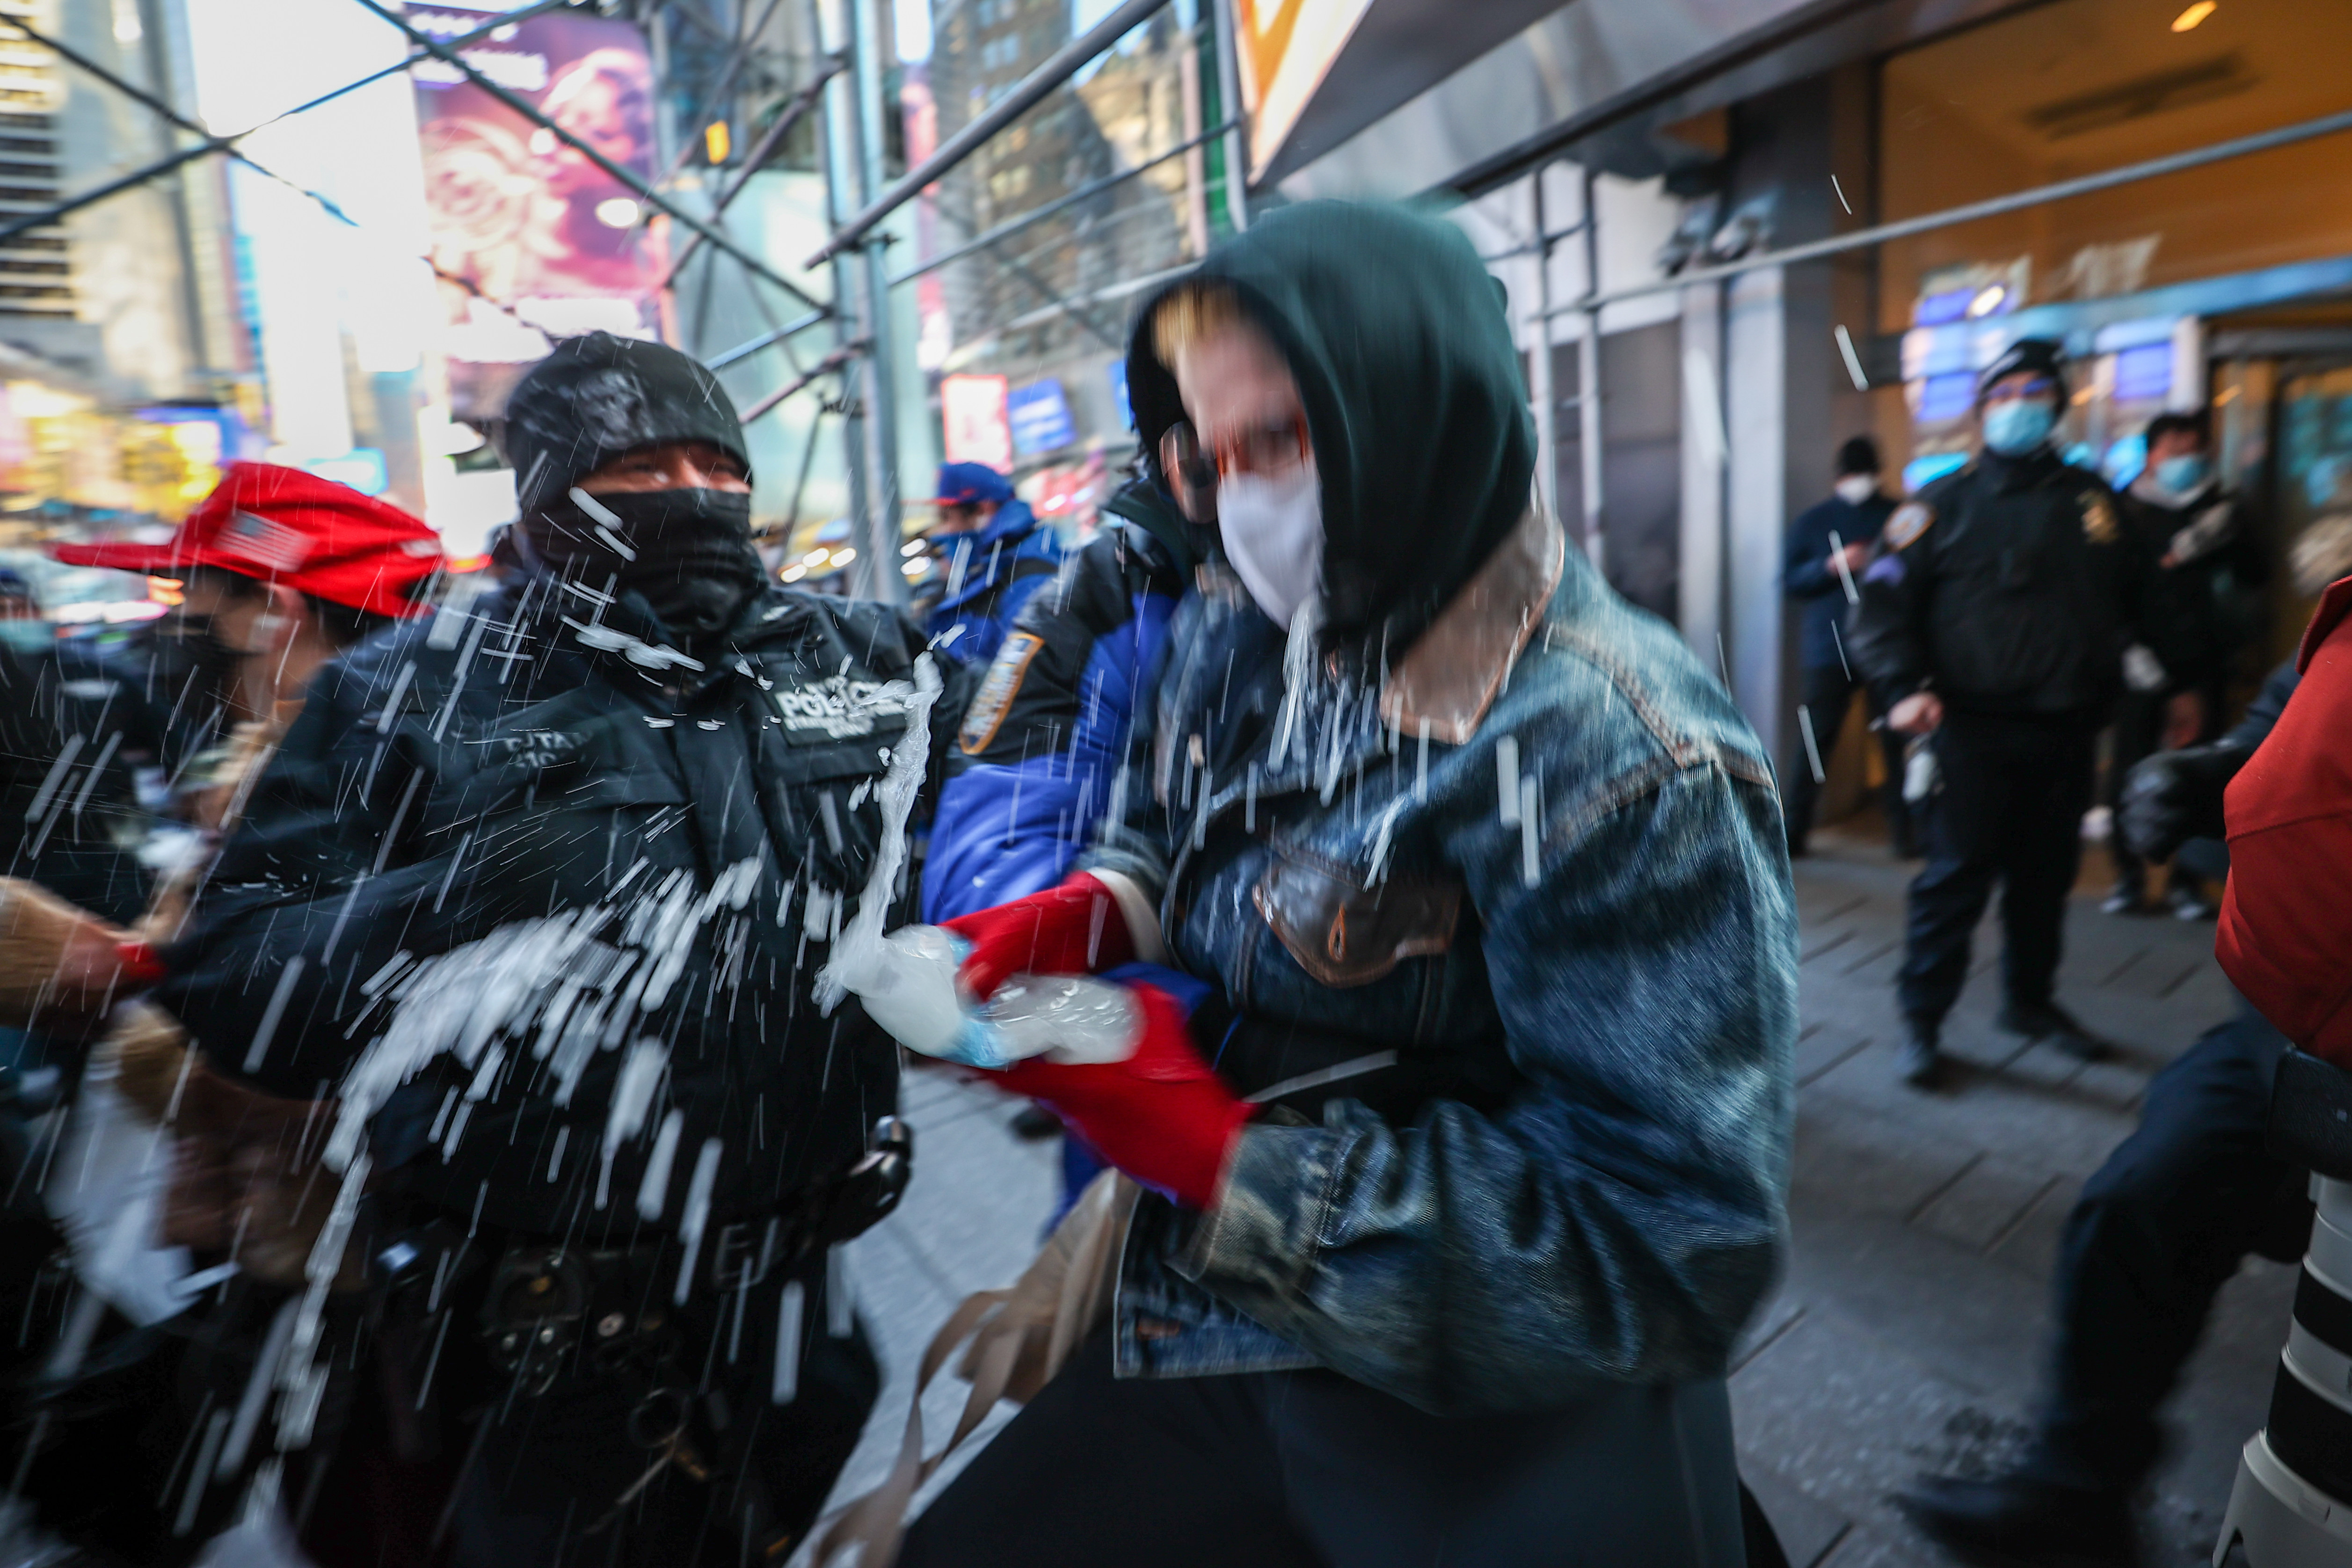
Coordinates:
x,y
2285,939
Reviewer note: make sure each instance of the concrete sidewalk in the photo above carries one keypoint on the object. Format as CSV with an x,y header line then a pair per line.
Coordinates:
x,y
1909,1331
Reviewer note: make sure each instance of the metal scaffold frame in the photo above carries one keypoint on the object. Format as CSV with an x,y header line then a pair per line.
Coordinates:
x,y
845,91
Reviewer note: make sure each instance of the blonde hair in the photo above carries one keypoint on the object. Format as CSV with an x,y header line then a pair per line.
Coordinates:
x,y
1189,313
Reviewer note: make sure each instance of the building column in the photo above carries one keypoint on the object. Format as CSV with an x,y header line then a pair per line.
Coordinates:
x,y
1700,599
1757,409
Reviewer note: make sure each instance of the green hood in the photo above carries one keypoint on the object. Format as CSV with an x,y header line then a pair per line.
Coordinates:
x,y
1415,400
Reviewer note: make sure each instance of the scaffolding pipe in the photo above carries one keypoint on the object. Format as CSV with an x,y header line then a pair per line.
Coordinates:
x,y
778,128
2038,195
1588,380
882,577
716,98
793,328
1229,89
1058,67
137,177
836,148
727,247
1547,397
1012,226
826,367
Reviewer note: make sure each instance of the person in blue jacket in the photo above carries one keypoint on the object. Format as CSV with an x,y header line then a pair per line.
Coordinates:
x,y
994,554
1031,771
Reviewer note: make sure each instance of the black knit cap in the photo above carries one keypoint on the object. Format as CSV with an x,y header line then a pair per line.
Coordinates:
x,y
2038,355
598,396
1858,456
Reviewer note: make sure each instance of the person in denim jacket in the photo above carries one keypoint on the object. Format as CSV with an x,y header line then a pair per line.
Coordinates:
x,y
1479,1166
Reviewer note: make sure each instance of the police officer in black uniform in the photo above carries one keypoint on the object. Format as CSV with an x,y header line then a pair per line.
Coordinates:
x,y
564,866
1993,625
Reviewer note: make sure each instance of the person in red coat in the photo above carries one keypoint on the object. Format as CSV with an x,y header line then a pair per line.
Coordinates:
x,y
2283,931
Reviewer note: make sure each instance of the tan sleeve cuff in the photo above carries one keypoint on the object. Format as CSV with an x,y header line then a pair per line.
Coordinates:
x,y
1142,919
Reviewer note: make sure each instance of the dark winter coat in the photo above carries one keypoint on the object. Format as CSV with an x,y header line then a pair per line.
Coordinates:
x,y
1031,771
1809,578
1489,884
546,758
2011,585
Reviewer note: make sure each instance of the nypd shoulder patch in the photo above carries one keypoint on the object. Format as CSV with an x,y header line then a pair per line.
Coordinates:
x,y
1908,522
986,714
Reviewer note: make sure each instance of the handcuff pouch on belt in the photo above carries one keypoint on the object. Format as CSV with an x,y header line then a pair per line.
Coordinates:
x,y
547,1300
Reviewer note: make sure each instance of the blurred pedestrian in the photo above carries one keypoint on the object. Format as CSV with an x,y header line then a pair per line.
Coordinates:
x,y
994,554
2195,532
1828,550
287,570
1993,625
2157,1232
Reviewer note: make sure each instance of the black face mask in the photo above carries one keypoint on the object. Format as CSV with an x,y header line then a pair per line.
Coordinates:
x,y
688,552
196,648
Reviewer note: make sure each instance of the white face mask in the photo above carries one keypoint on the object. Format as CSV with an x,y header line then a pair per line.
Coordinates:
x,y
1857,488
1273,531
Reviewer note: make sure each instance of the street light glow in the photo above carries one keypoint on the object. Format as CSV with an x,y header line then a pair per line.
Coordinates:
x,y
2194,15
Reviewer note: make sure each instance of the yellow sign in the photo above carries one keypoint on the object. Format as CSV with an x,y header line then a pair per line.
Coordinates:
x,y
1287,46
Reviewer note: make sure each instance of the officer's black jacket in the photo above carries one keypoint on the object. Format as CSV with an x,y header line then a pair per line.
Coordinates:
x,y
2010,586
72,731
538,755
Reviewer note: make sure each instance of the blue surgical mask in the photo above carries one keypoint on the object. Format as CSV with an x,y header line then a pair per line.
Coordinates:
x,y
2016,427
28,636
2183,475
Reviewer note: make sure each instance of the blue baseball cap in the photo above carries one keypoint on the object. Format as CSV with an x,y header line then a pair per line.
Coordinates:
x,y
965,484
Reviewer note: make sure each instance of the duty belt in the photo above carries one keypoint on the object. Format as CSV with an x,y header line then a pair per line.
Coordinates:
x,y
545,1295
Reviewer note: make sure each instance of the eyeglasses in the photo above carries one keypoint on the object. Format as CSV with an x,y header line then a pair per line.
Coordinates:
x,y
1194,472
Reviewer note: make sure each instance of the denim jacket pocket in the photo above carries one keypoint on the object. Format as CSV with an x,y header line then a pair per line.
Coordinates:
x,y
1344,933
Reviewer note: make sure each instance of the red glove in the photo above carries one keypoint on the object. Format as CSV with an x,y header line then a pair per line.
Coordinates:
x,y
1163,1115
1074,929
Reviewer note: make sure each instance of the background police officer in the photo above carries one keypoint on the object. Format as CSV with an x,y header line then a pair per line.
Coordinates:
x,y
1829,547
1995,621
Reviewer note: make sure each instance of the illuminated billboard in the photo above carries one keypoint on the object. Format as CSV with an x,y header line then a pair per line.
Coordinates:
x,y
531,238
974,425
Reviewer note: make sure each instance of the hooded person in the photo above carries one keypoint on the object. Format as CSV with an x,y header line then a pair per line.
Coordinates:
x,y
538,891
282,571
1451,1223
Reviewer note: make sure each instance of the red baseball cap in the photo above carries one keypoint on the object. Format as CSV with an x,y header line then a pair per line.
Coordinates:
x,y
283,525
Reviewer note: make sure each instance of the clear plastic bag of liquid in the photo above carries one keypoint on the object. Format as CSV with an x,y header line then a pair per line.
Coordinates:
x,y
908,987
